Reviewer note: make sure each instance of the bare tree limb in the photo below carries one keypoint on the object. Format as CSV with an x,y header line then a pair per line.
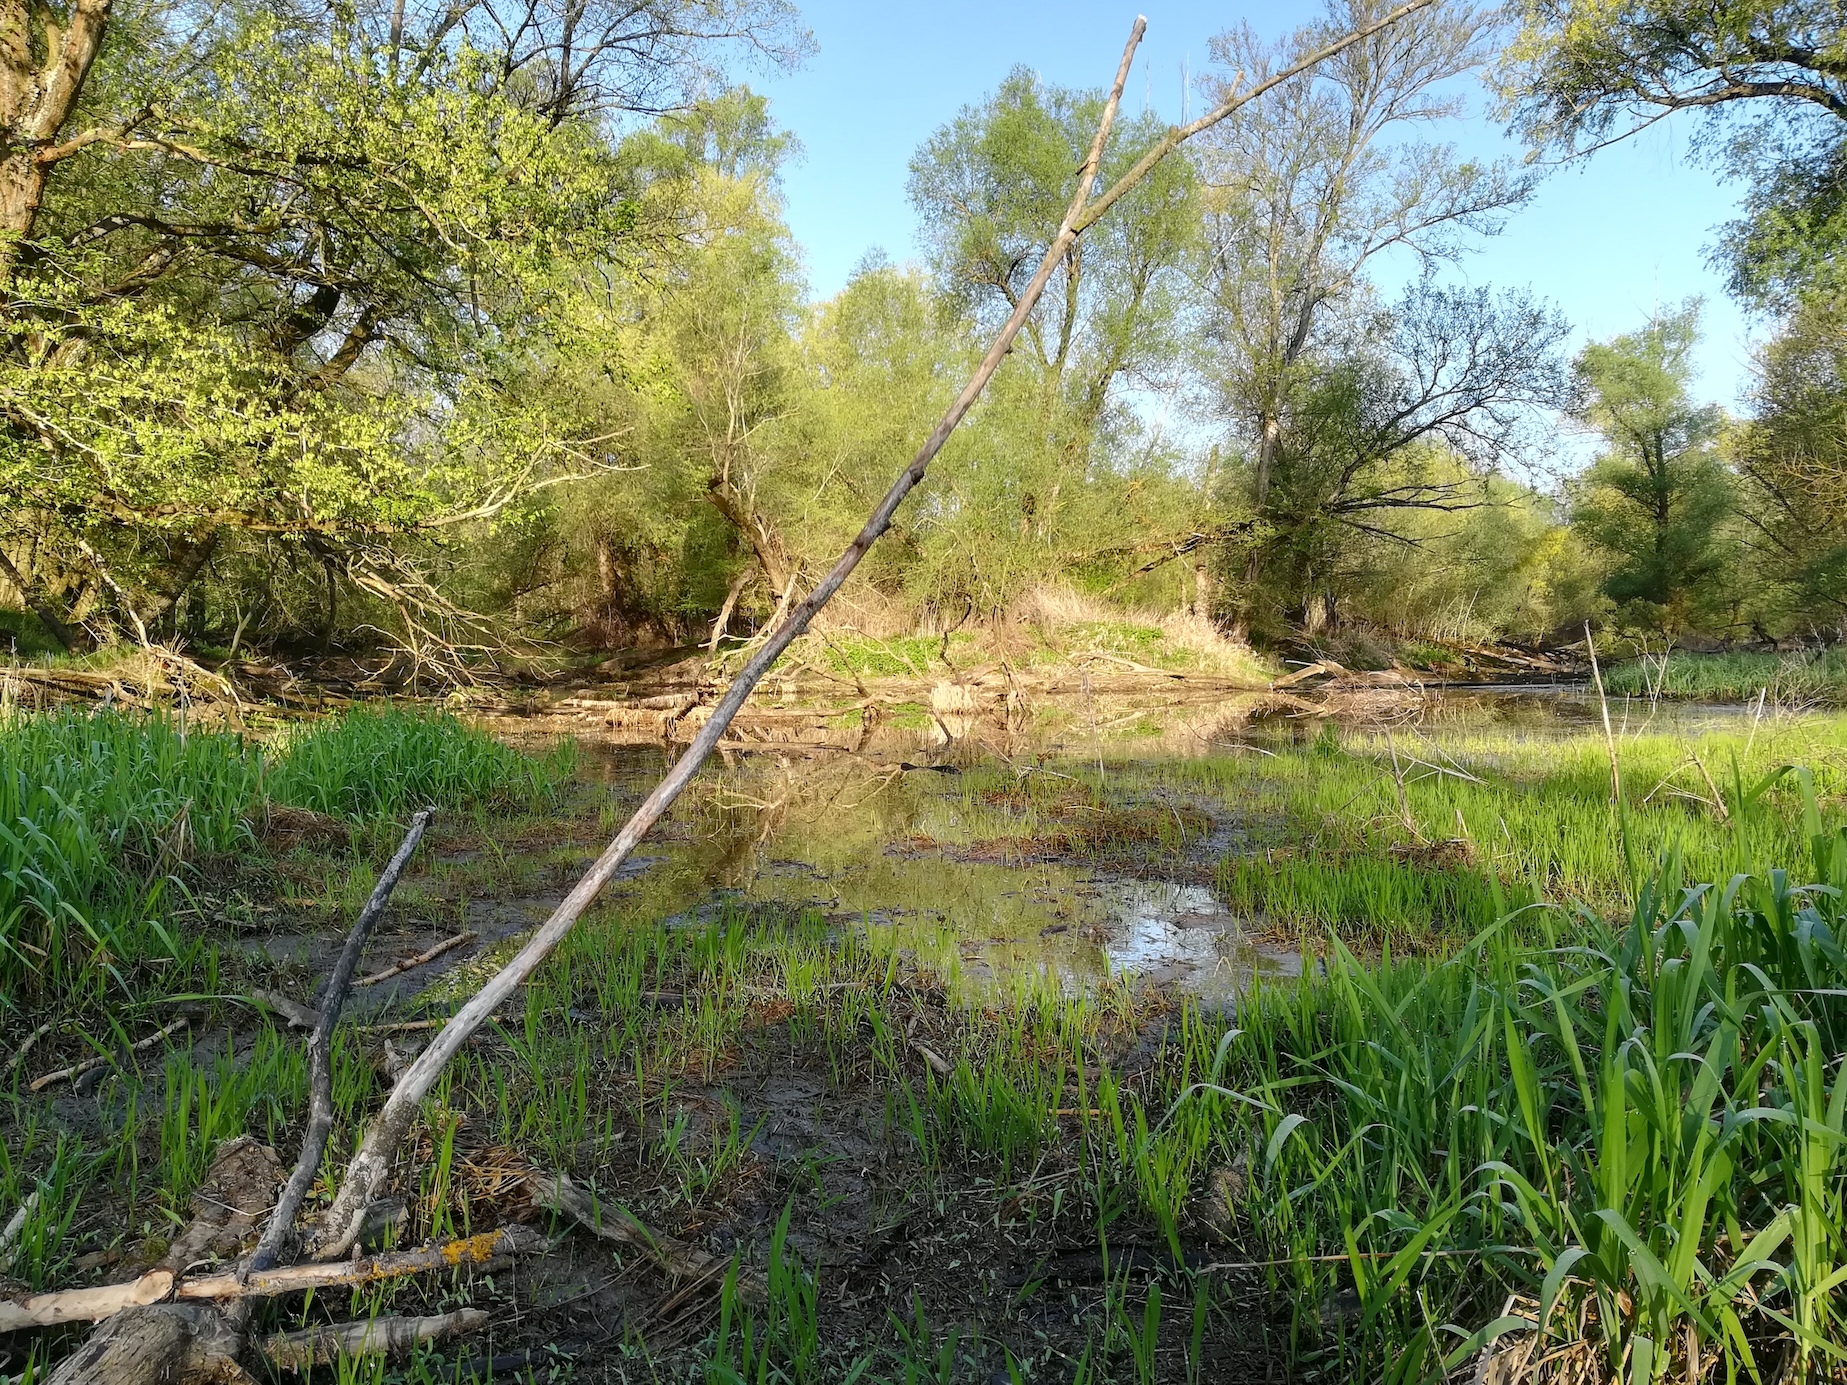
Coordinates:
x,y
320,1056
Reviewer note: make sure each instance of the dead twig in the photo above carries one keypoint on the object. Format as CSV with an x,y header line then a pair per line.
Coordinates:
x,y
15,1226
487,1251
398,968
76,1070
25,1047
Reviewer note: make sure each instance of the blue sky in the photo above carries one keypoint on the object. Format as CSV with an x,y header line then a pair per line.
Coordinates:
x,y
1604,241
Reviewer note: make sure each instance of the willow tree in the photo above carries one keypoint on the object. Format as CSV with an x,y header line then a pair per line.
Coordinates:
x,y
264,270
1656,500
988,188
1766,79
1303,194
1792,463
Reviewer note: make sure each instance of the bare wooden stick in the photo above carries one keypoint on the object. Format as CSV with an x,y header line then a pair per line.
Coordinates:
x,y
15,1225
19,1054
79,1069
398,968
487,1251
85,1305
1609,736
372,1162
322,1346
320,1055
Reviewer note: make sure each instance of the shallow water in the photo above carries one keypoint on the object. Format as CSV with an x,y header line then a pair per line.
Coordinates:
x,y
974,851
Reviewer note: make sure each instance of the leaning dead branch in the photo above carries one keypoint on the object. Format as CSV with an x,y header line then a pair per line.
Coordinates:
x,y
371,1163
320,1054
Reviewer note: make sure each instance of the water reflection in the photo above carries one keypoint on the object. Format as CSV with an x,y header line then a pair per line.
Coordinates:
x,y
993,855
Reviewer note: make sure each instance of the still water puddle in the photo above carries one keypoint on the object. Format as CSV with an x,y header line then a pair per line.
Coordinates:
x,y
997,861
992,876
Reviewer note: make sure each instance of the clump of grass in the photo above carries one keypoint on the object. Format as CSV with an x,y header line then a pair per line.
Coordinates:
x,y
1637,1129
96,813
101,814
1403,837
1810,677
382,763
206,1105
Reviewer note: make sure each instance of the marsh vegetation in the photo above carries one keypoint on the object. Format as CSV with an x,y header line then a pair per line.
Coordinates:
x,y
1319,1049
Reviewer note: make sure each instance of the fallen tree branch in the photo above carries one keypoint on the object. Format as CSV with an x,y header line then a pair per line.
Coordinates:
x,y
299,1016
79,1069
371,1163
398,968
488,1251
322,1346
320,1055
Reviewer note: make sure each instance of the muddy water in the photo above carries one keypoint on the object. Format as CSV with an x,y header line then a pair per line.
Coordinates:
x,y
1001,858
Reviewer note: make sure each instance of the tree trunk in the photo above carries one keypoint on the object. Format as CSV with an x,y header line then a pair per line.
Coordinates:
x,y
765,543
35,100
1241,619
1270,441
1202,590
38,601
185,572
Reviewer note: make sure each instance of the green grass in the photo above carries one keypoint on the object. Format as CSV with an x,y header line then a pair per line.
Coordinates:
x,y
107,819
1637,1125
385,763
1802,679
1621,1113
1397,839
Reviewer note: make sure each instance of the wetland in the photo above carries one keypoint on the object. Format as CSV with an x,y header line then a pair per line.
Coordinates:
x,y
1245,1041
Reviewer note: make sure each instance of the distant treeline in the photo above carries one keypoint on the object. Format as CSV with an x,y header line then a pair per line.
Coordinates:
x,y
413,327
